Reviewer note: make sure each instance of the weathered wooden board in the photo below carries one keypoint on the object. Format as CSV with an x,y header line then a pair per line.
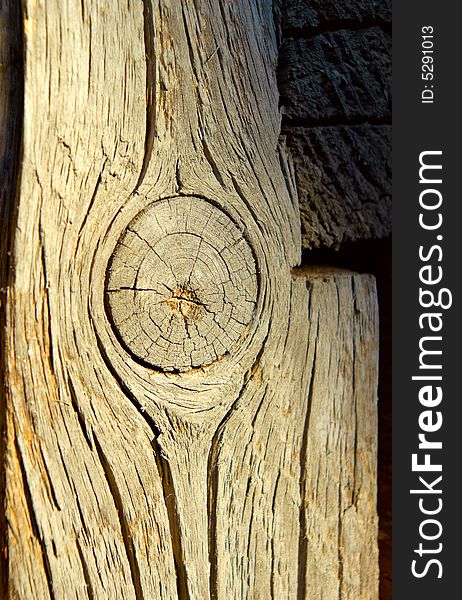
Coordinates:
x,y
188,414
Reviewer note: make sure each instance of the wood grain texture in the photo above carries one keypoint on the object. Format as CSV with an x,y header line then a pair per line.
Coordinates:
x,y
307,517
11,79
125,481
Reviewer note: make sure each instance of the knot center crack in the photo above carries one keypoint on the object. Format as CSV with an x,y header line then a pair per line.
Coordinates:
x,y
184,303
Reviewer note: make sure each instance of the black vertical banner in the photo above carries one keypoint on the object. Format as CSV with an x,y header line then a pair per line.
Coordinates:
x,y
427,270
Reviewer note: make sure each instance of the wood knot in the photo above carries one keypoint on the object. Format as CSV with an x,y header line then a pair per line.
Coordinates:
x,y
181,286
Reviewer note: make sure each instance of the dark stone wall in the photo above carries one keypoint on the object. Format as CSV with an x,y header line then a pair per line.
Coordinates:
x,y
335,84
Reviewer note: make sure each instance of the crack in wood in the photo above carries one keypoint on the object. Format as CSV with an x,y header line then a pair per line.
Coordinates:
x,y
151,84
33,520
124,523
170,501
86,573
302,540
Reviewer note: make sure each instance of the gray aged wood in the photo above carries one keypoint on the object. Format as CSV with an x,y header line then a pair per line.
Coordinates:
x,y
247,471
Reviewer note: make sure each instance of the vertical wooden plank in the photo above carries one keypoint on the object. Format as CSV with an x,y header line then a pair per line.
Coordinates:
x,y
295,461
339,472
84,518
143,461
